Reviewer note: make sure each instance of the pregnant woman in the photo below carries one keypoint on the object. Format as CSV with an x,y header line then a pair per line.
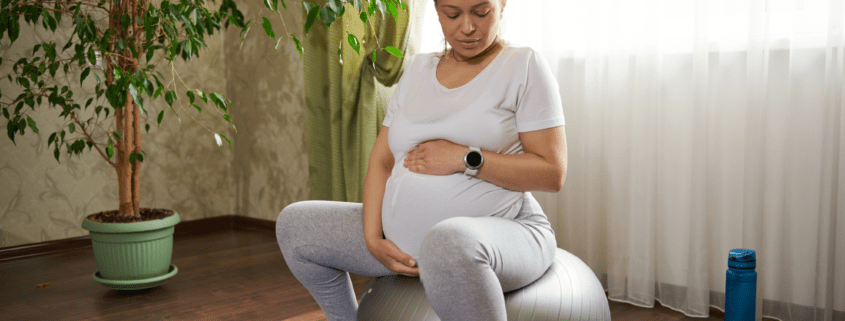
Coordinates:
x,y
467,135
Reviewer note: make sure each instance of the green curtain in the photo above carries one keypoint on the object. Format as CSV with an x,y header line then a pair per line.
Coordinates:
x,y
344,110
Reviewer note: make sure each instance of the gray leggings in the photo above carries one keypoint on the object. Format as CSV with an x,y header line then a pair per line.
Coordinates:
x,y
465,263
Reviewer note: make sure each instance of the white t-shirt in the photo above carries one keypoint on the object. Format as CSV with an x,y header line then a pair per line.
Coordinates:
x,y
515,93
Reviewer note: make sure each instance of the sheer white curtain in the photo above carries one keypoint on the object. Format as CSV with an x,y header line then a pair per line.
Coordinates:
x,y
695,127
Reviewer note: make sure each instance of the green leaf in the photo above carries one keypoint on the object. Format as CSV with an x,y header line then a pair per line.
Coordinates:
x,y
327,15
78,146
364,17
22,126
284,6
190,96
227,139
110,149
52,138
169,96
118,134
148,127
244,33
132,158
92,57
268,28
392,50
371,9
391,7
84,75
14,29
150,54
72,128
133,51
125,21
313,12
202,95
298,45
226,117
197,107
353,41
148,85
189,24
160,117
11,129
174,12
4,19
218,99
134,92
31,124
187,46
69,42
358,5
335,5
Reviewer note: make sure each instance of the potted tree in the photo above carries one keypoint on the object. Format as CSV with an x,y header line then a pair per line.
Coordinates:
x,y
132,245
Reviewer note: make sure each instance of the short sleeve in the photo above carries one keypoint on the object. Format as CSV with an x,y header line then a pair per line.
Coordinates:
x,y
538,104
398,94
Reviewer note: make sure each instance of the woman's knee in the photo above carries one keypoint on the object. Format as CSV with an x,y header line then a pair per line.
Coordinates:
x,y
287,220
452,240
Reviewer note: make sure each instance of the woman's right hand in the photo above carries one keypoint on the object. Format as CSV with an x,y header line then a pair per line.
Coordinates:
x,y
394,259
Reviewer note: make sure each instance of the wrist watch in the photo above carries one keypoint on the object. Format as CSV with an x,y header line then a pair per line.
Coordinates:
x,y
473,160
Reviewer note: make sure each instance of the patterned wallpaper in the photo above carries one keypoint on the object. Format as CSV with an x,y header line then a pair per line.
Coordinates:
x,y
42,200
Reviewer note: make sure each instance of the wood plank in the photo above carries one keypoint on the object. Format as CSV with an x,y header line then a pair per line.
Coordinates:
x,y
230,268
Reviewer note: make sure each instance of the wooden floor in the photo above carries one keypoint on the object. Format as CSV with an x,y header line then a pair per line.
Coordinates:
x,y
236,274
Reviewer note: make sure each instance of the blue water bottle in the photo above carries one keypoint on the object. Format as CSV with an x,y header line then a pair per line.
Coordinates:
x,y
741,287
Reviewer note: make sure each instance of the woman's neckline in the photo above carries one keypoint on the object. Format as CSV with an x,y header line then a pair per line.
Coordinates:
x,y
434,73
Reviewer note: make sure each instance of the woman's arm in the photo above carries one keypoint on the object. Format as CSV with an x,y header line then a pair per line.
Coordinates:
x,y
378,171
541,168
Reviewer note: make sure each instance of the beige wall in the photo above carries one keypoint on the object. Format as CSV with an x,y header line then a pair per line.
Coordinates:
x,y
42,200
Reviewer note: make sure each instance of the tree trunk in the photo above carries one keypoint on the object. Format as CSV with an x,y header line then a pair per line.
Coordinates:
x,y
127,118
123,190
136,168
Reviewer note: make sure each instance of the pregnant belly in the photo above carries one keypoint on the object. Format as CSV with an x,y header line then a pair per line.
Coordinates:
x,y
413,203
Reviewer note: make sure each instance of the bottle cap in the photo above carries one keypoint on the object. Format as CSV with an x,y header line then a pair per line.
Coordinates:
x,y
742,259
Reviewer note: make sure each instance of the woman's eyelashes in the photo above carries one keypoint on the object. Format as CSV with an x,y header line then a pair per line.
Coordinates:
x,y
477,14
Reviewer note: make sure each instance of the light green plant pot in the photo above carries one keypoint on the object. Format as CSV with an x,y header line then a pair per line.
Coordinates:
x,y
133,256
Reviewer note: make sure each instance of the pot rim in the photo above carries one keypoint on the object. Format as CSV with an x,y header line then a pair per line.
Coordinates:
x,y
100,227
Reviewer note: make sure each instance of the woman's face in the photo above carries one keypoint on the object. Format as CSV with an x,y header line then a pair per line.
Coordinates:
x,y
470,26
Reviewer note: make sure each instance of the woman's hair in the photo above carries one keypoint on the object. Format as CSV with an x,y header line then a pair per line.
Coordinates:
x,y
445,43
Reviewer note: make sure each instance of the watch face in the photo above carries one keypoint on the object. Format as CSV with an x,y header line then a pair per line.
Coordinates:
x,y
474,159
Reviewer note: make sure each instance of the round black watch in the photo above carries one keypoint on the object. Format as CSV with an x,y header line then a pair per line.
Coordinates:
x,y
473,160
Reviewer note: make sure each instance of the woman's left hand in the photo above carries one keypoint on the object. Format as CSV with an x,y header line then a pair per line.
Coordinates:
x,y
436,157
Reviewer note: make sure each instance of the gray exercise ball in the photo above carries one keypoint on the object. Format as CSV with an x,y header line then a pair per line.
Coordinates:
x,y
569,290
